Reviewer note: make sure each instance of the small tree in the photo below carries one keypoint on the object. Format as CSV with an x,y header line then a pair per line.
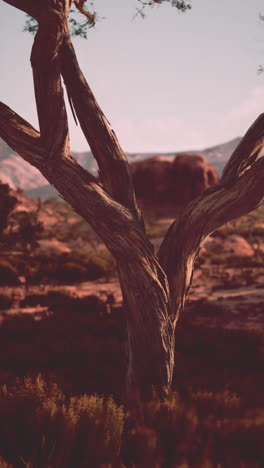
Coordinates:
x,y
27,230
154,287
7,204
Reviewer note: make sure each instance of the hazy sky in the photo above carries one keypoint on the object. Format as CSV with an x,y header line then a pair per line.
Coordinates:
x,y
170,82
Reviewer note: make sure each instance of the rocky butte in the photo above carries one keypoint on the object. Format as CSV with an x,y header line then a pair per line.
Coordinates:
x,y
164,181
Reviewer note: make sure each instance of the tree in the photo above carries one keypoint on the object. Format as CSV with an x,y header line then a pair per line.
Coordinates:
x,y
154,287
26,230
7,204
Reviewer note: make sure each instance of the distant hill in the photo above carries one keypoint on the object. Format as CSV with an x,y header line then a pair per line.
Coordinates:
x,y
19,174
219,155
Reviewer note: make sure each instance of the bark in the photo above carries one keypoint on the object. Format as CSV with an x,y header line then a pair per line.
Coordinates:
x,y
239,192
144,284
113,166
154,287
200,218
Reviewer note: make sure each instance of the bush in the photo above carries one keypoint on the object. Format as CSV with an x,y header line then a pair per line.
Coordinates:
x,y
5,301
100,264
7,204
157,231
71,267
40,426
8,274
207,430
69,272
64,301
232,260
53,297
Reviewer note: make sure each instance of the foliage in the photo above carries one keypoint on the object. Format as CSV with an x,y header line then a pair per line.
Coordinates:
x,y
78,229
44,427
62,268
72,267
181,5
100,264
41,426
233,260
8,273
5,300
192,433
52,298
156,231
68,272
31,25
26,229
7,204
215,422
79,28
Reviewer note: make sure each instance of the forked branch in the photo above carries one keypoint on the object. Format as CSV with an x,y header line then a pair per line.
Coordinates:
x,y
111,220
53,54
241,190
113,166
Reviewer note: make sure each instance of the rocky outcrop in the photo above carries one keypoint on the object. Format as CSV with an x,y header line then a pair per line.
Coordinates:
x,y
166,180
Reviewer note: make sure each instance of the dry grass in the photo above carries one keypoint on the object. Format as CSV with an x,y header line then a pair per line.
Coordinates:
x,y
41,427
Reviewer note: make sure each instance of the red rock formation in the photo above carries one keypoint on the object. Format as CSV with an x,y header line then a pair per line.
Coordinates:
x,y
160,180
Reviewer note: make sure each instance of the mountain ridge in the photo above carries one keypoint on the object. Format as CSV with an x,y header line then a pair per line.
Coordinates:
x,y
20,174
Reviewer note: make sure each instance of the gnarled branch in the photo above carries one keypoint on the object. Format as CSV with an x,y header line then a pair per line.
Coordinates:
x,y
201,217
21,136
45,61
113,166
144,284
154,291
80,6
246,152
74,183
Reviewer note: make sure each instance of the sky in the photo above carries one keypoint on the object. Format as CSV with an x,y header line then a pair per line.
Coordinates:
x,y
170,82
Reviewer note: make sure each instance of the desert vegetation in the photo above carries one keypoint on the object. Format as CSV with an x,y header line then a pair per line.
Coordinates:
x,y
63,358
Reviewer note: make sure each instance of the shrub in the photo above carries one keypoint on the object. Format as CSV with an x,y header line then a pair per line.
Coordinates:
x,y
91,303
5,301
8,274
27,230
69,272
157,231
52,298
207,430
232,260
71,267
64,301
100,264
7,204
42,428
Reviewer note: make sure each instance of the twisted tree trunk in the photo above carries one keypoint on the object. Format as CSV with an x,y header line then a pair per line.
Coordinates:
x,y
154,287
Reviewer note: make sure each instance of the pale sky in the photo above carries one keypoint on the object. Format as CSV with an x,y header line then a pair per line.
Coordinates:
x,y
170,82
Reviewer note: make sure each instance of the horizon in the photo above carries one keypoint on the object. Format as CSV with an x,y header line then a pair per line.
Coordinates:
x,y
186,150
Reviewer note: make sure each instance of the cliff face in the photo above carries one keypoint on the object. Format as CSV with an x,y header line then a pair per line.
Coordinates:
x,y
177,181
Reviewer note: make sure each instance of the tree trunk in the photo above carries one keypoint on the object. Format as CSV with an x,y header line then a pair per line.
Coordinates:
x,y
154,287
